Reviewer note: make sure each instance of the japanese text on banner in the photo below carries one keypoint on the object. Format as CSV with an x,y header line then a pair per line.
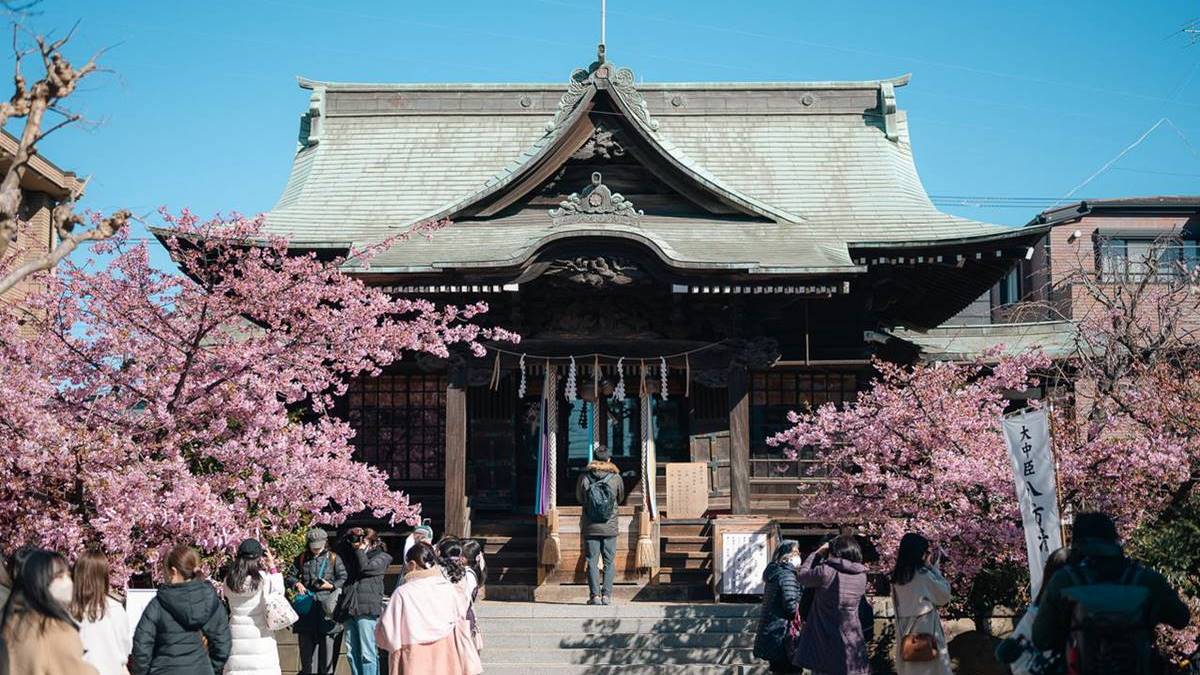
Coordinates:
x,y
1027,435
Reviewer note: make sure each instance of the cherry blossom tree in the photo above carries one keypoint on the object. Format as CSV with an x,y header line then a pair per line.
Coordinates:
x,y
921,450
141,408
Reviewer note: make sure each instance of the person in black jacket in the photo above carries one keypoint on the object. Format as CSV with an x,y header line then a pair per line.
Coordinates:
x,y
185,629
781,597
322,573
362,597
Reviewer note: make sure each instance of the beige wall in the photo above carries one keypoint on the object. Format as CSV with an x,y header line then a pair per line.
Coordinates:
x,y
34,239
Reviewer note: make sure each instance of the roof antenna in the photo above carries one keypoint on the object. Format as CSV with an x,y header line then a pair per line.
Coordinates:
x,y
600,48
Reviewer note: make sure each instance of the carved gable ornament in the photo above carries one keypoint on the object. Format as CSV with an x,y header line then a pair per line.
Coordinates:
x,y
603,75
597,204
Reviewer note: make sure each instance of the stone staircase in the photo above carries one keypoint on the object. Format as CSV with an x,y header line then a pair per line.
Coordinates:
x,y
626,638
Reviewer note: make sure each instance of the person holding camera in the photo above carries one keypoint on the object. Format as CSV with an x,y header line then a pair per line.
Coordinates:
x,y
362,597
918,589
318,572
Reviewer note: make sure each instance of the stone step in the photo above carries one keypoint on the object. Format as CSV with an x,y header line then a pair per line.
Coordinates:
x,y
636,610
634,640
575,627
686,656
576,669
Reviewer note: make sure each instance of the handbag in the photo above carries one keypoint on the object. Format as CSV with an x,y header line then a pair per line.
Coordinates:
x,y
914,647
792,637
467,652
303,602
280,613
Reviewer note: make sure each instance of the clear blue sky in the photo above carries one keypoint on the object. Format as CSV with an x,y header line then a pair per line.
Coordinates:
x,y
1007,98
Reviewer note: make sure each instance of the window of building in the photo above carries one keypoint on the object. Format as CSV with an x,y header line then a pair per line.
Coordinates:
x,y
400,424
1010,287
1138,259
774,394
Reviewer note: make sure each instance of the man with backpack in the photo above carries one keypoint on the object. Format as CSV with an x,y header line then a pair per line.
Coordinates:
x,y
600,490
1102,608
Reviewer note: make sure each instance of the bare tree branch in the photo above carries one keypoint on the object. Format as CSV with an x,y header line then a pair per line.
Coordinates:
x,y
59,80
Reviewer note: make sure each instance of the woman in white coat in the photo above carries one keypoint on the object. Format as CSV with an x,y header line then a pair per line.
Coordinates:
x,y
918,589
103,624
251,578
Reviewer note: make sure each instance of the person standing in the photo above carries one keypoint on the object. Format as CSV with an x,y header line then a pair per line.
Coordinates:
x,y
918,589
781,598
418,626
600,491
1102,608
40,637
252,577
103,624
184,630
362,598
1017,650
318,571
832,641
473,554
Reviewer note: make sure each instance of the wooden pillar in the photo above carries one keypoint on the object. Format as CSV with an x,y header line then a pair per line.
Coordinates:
x,y
739,440
456,454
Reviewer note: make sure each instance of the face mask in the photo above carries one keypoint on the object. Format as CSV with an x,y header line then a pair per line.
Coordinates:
x,y
796,561
62,589
316,547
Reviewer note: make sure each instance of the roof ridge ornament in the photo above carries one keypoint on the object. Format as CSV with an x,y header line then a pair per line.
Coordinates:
x,y
887,108
603,75
597,204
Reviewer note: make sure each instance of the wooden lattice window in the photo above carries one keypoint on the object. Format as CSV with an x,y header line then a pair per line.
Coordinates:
x,y
400,424
774,394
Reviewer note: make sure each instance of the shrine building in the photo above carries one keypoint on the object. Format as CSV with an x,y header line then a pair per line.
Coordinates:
x,y
685,263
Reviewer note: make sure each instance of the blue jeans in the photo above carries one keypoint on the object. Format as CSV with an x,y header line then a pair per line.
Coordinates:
x,y
360,645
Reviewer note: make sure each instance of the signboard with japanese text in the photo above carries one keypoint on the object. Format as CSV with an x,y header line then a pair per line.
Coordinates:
x,y
1027,435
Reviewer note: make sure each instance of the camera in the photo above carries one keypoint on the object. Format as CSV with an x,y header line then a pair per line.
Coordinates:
x,y
354,538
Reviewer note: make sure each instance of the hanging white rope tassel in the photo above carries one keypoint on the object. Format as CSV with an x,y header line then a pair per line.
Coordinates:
x,y
644,555
662,374
521,389
571,391
619,390
551,547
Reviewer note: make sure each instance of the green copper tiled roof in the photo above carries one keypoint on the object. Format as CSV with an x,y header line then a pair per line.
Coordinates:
x,y
816,158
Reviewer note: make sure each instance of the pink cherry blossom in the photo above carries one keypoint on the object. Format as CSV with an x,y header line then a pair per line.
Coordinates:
x,y
142,408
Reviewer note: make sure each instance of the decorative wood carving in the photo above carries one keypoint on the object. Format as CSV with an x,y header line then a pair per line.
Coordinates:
x,y
597,272
602,144
576,88
602,76
623,81
597,204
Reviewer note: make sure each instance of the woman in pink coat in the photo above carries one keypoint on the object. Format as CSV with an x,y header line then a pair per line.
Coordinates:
x,y
417,627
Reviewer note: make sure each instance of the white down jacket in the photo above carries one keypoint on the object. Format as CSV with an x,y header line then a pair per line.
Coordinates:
x,y
254,651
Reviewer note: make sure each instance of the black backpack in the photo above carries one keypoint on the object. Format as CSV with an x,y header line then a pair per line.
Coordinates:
x,y
599,502
1111,630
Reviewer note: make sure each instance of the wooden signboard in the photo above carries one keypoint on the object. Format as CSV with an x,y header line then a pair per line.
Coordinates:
x,y
687,489
742,547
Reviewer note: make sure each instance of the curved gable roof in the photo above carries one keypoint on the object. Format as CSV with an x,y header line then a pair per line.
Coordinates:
x,y
830,166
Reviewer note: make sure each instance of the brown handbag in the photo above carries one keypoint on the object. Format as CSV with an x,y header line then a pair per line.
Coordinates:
x,y
914,647
918,647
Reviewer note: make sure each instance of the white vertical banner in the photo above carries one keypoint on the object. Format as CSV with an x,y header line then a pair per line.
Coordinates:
x,y
1027,435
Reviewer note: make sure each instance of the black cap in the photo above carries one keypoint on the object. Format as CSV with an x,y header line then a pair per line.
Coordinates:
x,y
250,549
602,453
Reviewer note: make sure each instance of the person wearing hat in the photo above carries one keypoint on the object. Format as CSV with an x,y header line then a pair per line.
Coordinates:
x,y
250,580
600,491
422,532
322,573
